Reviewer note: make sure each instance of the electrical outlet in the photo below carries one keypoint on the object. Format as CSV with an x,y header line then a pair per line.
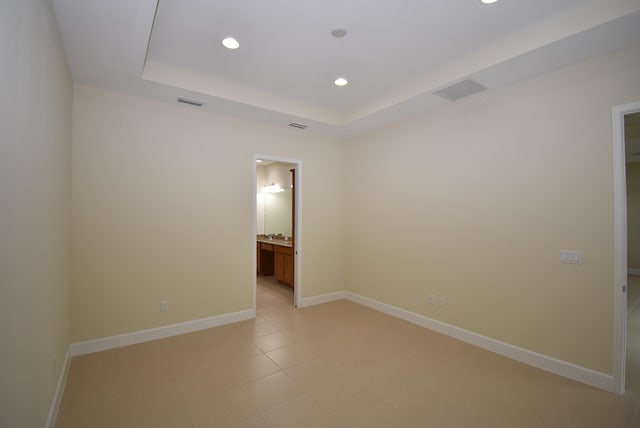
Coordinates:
x,y
571,256
164,305
442,301
432,299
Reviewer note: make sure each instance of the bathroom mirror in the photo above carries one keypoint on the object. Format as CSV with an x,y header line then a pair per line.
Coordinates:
x,y
276,212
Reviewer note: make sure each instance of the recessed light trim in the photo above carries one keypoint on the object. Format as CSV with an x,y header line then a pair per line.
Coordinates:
x,y
339,33
230,43
488,1
341,81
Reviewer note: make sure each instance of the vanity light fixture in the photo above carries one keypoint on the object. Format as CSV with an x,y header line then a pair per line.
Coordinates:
x,y
230,43
340,81
272,188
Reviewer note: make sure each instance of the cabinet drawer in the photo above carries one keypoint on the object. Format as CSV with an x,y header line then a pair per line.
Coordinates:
x,y
266,247
284,250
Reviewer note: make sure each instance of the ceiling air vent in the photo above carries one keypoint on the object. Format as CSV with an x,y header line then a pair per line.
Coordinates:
x,y
190,101
460,90
298,125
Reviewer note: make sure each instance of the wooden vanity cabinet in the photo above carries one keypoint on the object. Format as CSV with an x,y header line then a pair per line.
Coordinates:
x,y
283,264
277,260
265,261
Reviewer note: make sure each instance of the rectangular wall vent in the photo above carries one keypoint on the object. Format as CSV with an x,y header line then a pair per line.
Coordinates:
x,y
460,90
190,101
298,125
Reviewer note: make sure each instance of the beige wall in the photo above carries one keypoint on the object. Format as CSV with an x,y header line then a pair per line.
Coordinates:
x,y
474,203
163,198
633,216
632,126
35,151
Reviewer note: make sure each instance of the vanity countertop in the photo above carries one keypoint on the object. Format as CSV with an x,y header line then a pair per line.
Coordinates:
x,y
275,241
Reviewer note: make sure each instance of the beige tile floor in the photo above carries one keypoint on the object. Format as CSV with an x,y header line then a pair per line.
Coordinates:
x,y
332,365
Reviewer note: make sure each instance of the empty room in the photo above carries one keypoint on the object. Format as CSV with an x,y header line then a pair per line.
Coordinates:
x,y
368,213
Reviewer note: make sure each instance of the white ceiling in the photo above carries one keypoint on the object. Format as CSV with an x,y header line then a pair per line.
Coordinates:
x,y
396,53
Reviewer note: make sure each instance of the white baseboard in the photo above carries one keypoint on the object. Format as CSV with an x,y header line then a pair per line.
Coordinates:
x,y
57,396
550,364
111,342
324,298
633,271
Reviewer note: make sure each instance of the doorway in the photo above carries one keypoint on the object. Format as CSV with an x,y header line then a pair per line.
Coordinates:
x,y
632,175
277,228
619,113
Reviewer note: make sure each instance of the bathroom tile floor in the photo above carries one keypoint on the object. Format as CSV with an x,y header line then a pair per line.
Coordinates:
x,y
333,365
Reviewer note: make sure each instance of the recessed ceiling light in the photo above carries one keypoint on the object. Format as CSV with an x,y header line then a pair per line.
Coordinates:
x,y
230,43
341,81
258,160
339,32
488,1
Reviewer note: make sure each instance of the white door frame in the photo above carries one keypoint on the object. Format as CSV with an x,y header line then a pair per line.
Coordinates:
x,y
297,235
620,244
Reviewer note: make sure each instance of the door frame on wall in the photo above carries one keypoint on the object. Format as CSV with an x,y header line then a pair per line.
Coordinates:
x,y
620,244
297,232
